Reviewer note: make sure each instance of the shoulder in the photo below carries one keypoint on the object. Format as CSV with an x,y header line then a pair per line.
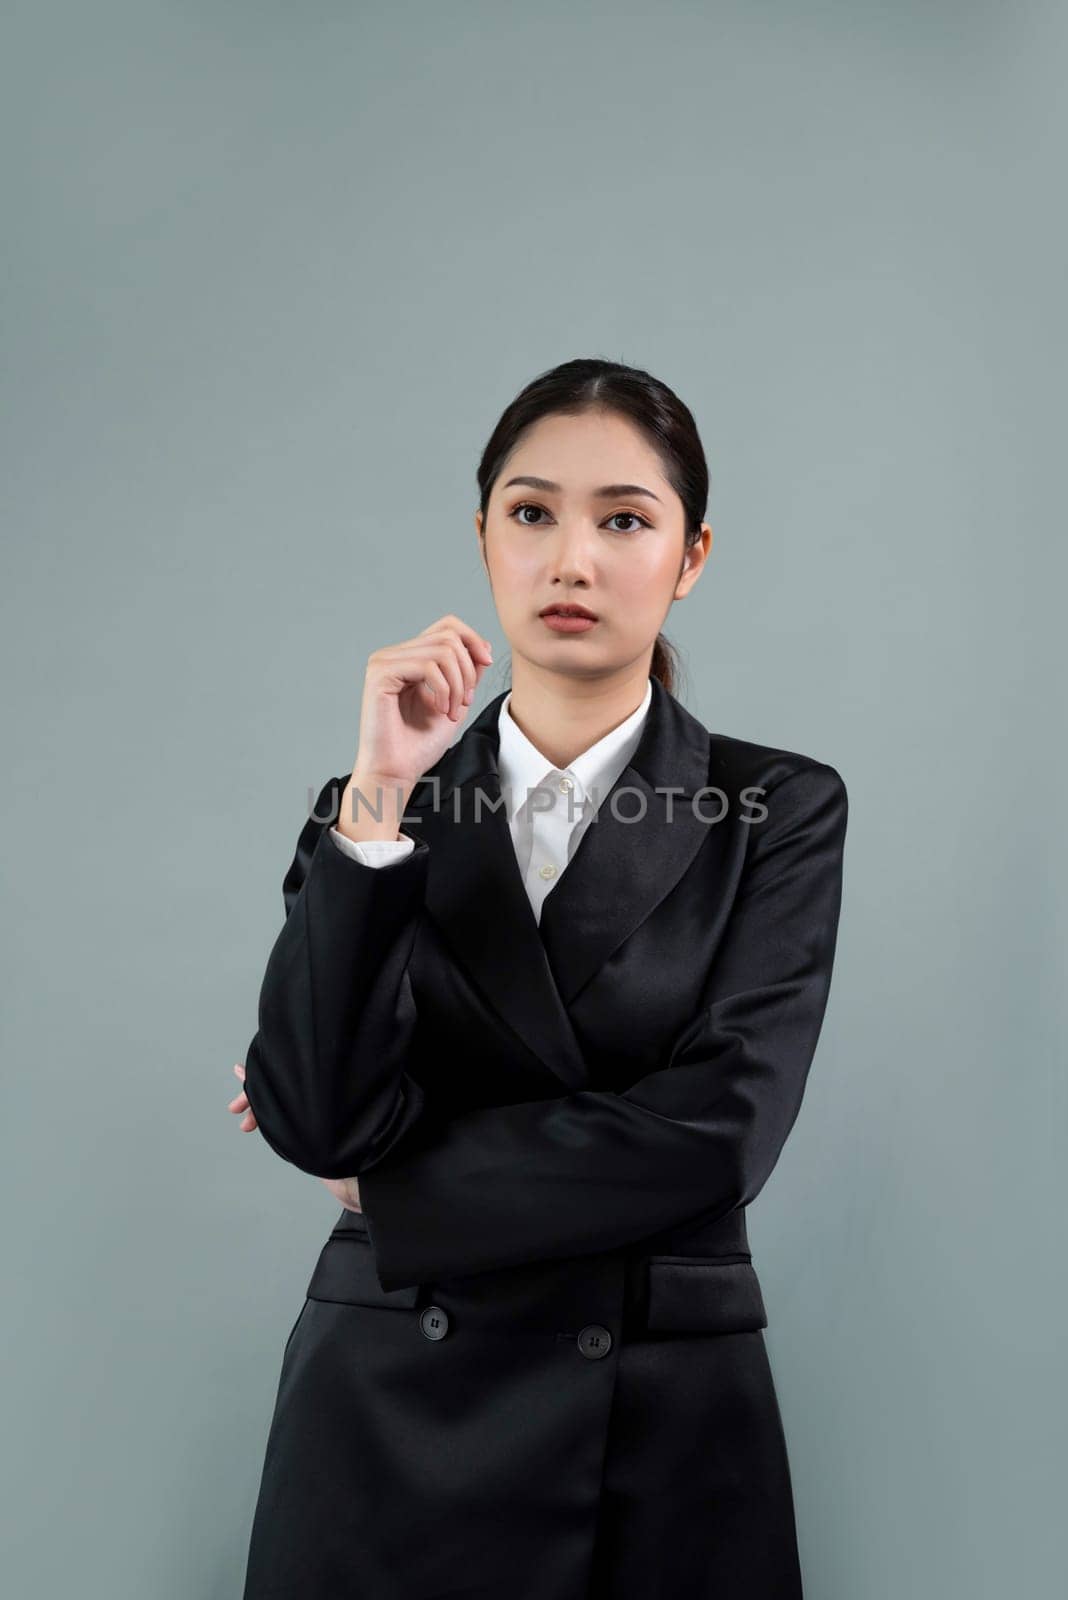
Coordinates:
x,y
747,763
734,763
799,804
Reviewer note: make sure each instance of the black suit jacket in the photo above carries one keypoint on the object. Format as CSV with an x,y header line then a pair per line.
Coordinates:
x,y
534,1365
508,1092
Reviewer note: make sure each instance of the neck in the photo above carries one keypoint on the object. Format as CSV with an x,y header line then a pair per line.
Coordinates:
x,y
563,716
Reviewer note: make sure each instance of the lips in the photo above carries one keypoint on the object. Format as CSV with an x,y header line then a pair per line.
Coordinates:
x,y
568,611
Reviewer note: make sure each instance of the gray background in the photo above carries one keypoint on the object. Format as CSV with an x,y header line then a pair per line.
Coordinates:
x,y
270,273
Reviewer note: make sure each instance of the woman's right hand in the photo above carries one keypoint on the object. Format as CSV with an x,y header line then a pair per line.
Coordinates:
x,y
414,695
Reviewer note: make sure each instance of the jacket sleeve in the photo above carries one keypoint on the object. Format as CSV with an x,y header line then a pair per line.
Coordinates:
x,y
595,1170
324,1073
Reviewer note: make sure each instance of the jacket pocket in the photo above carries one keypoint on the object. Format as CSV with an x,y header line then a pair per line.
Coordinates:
x,y
704,1294
345,1272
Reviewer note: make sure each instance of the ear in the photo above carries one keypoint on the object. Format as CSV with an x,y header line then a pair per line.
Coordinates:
x,y
693,561
481,542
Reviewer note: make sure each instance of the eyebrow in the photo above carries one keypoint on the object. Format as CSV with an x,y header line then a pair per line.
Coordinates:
x,y
610,491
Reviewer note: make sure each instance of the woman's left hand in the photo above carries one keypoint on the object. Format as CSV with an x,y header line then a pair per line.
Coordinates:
x,y
344,1190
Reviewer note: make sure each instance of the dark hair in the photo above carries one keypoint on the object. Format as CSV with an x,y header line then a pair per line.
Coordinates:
x,y
591,384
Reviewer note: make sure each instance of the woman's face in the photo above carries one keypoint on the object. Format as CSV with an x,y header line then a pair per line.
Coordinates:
x,y
619,554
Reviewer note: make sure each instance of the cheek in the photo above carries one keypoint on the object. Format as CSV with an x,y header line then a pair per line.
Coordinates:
x,y
645,587
517,572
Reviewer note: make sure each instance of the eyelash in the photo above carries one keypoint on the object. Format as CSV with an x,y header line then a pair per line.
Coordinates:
x,y
523,504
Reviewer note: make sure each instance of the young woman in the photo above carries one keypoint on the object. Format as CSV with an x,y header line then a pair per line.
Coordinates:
x,y
540,1015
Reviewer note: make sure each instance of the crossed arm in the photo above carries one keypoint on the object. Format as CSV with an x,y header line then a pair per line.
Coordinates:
x,y
577,1173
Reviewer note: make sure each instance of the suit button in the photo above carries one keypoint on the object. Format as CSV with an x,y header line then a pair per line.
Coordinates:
x,y
594,1341
434,1322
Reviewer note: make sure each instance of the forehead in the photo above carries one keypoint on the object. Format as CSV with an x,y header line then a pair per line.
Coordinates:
x,y
581,453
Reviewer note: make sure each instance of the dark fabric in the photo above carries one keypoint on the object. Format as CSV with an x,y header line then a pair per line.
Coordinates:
x,y
535,1365
696,1500
500,1460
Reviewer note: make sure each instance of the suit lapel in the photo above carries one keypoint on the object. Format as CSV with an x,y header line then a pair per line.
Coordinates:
x,y
635,850
631,856
476,896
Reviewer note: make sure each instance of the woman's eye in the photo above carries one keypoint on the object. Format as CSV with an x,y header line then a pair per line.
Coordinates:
x,y
528,505
525,505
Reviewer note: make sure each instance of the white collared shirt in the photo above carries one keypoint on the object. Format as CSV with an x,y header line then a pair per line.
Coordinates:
x,y
548,808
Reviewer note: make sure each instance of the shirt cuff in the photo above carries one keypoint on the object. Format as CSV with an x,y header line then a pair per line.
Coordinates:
x,y
374,852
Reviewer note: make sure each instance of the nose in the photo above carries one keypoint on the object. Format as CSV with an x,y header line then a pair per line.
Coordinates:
x,y
571,553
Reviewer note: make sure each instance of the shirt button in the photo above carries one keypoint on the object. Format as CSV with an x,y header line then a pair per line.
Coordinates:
x,y
565,785
548,871
434,1322
594,1341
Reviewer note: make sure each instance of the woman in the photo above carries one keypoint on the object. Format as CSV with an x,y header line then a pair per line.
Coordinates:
x,y
541,1015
